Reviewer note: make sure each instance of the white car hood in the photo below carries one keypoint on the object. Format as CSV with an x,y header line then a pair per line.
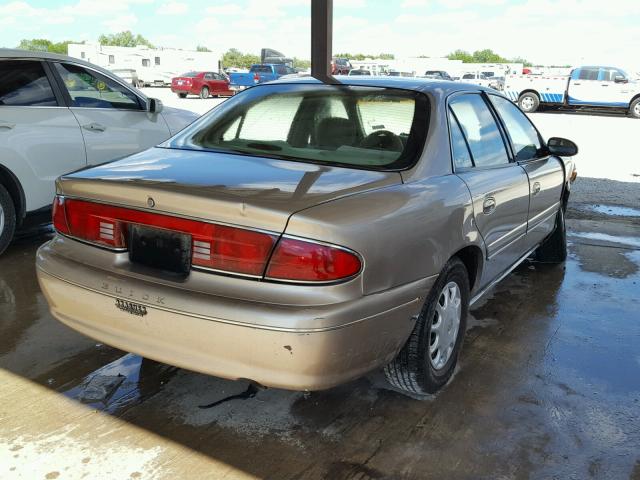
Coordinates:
x,y
177,118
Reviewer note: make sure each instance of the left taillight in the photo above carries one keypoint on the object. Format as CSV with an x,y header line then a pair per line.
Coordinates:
x,y
93,223
59,215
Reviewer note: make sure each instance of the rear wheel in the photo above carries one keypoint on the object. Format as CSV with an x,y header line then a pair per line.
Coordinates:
x,y
529,102
634,109
7,219
182,95
427,361
204,93
554,248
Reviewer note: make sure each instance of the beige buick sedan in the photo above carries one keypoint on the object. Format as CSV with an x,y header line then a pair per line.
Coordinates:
x,y
301,234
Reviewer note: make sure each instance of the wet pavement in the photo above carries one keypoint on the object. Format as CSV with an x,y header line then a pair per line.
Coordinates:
x,y
548,387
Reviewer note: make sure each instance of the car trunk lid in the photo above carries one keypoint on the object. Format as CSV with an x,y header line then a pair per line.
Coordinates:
x,y
254,192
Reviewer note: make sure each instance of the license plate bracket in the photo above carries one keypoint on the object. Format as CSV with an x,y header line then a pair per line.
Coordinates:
x,y
160,249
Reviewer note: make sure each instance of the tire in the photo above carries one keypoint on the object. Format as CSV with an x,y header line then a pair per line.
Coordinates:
x,y
529,102
182,95
7,219
415,370
204,93
554,248
634,108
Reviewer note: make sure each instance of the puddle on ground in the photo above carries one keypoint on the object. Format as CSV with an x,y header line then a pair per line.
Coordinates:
x,y
599,332
123,383
614,210
612,262
629,242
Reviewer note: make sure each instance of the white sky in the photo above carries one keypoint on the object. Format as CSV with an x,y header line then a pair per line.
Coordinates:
x,y
543,31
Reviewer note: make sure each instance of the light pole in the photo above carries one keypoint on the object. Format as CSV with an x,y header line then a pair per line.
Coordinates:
x,y
321,40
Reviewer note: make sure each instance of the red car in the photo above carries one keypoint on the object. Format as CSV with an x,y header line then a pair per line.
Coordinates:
x,y
202,84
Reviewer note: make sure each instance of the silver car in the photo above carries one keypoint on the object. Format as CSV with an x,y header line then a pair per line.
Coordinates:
x,y
301,235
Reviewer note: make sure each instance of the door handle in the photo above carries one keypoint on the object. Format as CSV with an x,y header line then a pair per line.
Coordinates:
x,y
535,189
489,205
7,125
94,127
577,84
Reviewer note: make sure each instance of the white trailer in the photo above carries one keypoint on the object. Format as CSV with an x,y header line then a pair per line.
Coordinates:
x,y
152,66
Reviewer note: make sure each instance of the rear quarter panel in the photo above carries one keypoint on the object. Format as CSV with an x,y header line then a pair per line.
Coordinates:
x,y
404,233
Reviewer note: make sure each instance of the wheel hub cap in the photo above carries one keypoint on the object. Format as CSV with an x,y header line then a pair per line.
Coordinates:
x,y
1,220
445,325
527,103
636,109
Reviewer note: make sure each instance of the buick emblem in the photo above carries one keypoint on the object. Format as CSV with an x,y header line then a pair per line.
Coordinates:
x,y
151,202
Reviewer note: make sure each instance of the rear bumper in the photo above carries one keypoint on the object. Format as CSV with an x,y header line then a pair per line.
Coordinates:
x,y
283,356
181,89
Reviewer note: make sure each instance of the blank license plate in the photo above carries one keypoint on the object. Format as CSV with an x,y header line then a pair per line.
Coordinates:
x,y
161,249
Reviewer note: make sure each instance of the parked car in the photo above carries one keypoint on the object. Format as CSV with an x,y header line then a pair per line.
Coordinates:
x,y
259,74
600,87
438,75
359,71
476,78
59,114
129,75
303,234
202,84
395,73
340,66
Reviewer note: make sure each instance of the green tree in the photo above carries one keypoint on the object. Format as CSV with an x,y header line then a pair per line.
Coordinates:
x,y
124,39
523,61
301,63
485,56
235,58
363,56
202,48
44,45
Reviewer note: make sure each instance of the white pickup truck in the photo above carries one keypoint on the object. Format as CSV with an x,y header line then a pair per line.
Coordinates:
x,y
599,87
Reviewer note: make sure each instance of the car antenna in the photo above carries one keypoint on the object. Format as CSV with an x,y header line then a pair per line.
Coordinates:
x,y
321,40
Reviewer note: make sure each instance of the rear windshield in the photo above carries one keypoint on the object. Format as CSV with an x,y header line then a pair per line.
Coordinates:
x,y
365,127
190,74
261,69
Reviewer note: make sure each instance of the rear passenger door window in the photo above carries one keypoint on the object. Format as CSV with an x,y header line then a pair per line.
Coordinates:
x,y
25,83
524,137
459,148
480,129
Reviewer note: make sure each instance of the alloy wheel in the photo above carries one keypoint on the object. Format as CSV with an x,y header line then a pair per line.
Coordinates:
x,y
526,103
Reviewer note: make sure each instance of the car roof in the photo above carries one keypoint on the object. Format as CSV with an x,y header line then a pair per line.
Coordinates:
x,y
427,85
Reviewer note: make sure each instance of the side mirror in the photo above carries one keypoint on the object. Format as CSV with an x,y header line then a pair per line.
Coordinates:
x,y
561,147
620,79
154,105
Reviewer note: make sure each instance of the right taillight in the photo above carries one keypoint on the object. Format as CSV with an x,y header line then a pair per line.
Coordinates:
x,y
304,261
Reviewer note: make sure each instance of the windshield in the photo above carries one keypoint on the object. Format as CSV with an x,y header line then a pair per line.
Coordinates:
x,y
260,69
366,127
